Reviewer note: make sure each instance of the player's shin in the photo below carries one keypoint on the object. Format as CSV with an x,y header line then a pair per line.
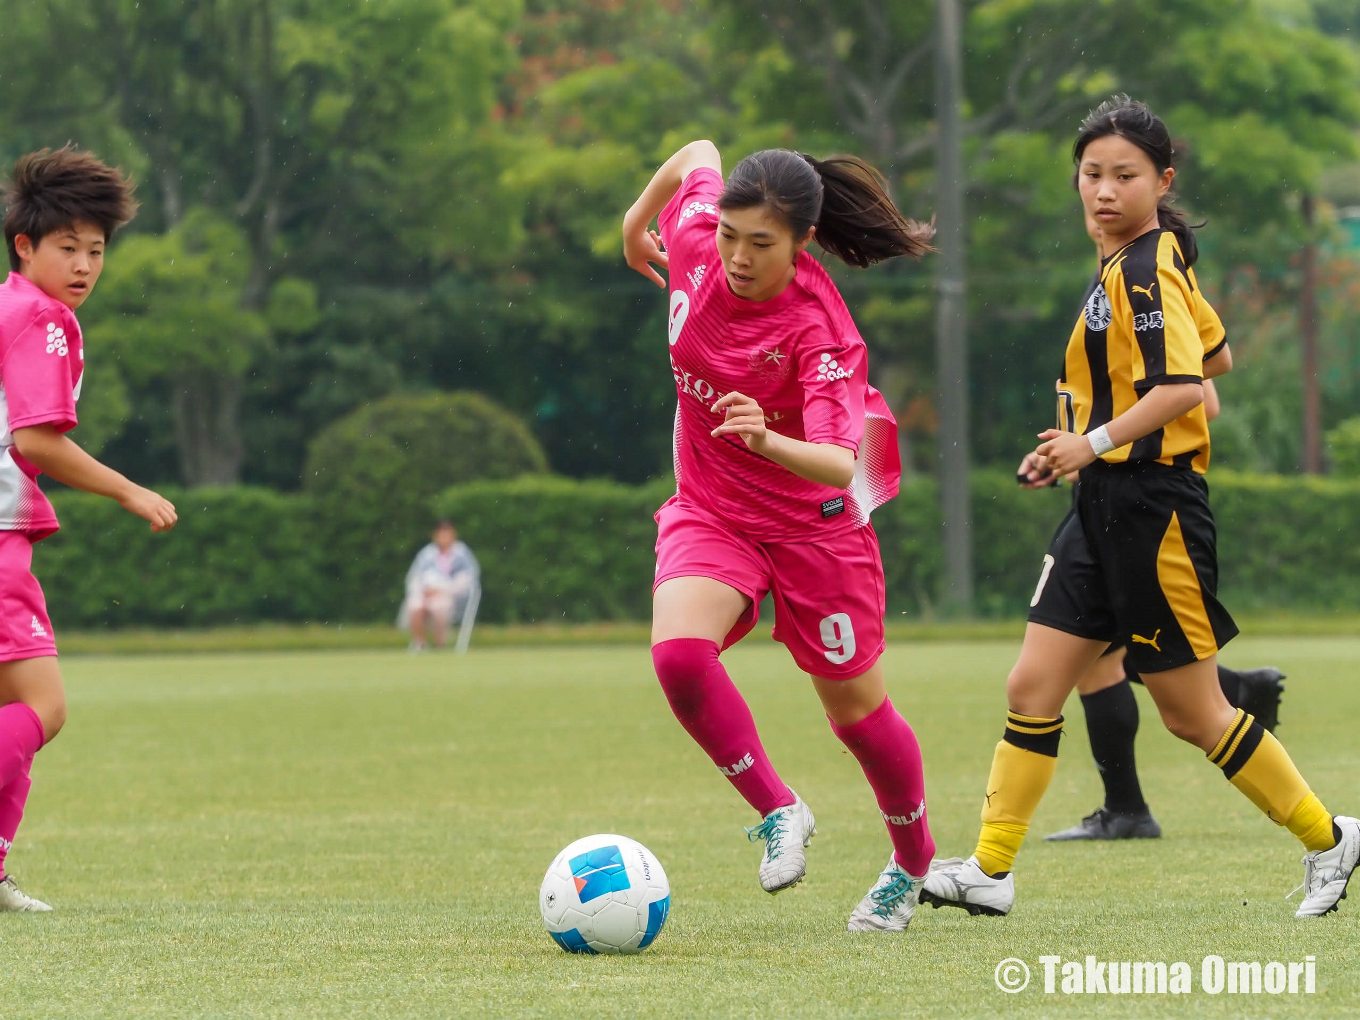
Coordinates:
x,y
714,713
21,735
12,800
1258,765
1022,767
887,750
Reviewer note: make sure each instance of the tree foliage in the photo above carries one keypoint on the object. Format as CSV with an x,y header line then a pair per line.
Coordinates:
x,y
344,200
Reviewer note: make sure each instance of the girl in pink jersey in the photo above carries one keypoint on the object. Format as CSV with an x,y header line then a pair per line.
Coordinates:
x,y
782,449
63,207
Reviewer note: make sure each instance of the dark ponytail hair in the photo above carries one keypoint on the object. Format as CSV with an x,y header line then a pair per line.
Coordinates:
x,y
1132,120
843,197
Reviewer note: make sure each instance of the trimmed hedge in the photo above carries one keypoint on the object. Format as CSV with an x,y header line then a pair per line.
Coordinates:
x,y
237,555
555,549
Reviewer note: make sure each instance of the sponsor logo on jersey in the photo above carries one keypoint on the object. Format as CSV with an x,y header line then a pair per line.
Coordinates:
x,y
694,208
831,369
56,340
696,276
832,507
1144,290
1098,313
38,629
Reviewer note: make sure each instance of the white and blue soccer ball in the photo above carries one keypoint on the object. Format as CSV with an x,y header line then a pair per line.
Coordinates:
x,y
605,894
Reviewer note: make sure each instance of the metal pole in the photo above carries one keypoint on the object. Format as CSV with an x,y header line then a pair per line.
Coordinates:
x,y
951,328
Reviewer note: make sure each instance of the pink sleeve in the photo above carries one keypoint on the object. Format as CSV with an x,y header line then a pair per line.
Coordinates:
x,y
695,204
833,376
37,374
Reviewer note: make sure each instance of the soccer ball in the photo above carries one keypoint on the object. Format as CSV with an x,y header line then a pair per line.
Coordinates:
x,y
605,894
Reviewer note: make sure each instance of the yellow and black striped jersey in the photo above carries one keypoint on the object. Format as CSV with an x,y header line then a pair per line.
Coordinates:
x,y
1145,322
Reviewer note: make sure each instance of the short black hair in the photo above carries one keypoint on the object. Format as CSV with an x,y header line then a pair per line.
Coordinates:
x,y
55,188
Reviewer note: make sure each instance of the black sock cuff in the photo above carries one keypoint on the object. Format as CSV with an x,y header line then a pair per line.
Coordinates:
x,y
1032,734
1240,743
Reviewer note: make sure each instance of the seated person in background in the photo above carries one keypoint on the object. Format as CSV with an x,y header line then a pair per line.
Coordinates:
x,y
441,578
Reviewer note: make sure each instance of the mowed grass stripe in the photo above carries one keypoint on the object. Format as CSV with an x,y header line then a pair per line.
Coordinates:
x,y
363,834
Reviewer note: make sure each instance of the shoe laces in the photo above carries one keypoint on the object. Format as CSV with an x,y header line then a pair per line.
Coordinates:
x,y
1310,862
771,831
889,896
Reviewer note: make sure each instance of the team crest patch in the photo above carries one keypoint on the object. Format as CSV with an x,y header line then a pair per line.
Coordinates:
x,y
1098,312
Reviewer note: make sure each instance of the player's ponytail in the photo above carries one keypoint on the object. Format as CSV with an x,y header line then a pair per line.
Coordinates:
x,y
843,197
1132,120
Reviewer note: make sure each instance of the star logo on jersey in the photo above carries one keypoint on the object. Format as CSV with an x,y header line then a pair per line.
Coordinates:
x,y
775,355
56,340
1098,313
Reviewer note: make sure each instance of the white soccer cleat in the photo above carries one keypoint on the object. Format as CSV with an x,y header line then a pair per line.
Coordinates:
x,y
1326,872
786,832
958,883
890,904
14,898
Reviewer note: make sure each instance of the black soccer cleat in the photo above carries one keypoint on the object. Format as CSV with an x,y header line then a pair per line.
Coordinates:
x,y
1102,823
1260,693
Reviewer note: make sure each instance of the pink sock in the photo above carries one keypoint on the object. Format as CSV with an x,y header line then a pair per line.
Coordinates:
x,y
891,758
714,713
12,800
21,734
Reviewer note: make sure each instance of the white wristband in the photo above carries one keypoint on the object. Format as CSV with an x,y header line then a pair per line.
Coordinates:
x,y
1100,441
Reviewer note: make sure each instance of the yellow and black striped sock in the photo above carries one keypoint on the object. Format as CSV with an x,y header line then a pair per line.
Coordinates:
x,y
1258,765
1022,768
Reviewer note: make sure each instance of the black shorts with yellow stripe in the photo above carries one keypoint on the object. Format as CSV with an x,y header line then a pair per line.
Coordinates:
x,y
1135,563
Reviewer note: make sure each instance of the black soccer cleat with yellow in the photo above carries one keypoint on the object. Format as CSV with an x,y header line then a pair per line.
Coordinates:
x,y
1102,823
1259,692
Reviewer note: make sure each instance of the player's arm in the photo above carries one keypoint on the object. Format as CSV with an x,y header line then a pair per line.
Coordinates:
x,y
1211,405
641,249
823,463
1220,364
57,456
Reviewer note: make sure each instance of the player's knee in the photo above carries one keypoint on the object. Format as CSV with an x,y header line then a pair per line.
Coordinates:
x,y
681,664
1024,691
52,715
1185,727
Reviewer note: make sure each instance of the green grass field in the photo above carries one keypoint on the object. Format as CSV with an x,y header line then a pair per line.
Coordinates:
x,y
362,834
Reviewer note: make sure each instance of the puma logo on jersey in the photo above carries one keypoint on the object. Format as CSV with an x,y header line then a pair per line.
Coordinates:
x,y
1138,639
904,819
1145,290
738,767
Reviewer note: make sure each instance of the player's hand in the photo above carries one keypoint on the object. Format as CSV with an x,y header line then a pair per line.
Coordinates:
x,y
152,506
743,417
642,250
1065,452
1034,473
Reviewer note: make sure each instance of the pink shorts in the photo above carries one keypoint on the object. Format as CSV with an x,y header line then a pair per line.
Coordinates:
x,y
828,595
25,630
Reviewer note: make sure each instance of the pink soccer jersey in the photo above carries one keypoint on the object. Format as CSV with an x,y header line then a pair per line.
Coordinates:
x,y
798,355
42,360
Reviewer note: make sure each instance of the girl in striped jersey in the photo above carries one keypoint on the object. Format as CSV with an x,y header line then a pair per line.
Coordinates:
x,y
782,449
1135,563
